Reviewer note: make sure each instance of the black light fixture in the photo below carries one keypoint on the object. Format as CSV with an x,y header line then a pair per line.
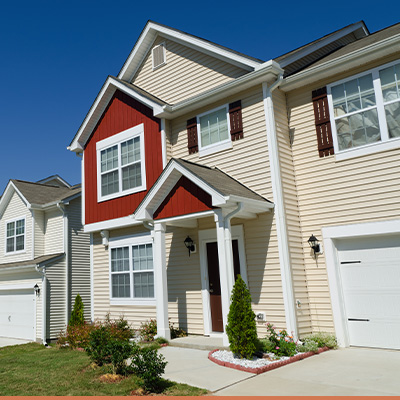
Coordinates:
x,y
36,289
189,244
313,242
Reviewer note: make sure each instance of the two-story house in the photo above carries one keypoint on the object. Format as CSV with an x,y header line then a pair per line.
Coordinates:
x,y
200,163
44,258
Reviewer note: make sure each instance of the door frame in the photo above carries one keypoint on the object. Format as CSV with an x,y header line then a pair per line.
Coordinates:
x,y
330,237
208,236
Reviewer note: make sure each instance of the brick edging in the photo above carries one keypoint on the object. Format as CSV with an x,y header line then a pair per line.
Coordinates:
x,y
265,368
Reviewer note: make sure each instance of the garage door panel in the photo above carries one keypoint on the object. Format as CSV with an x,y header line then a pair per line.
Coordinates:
x,y
370,275
17,314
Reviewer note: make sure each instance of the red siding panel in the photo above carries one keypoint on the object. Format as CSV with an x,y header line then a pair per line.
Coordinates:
x,y
122,113
184,198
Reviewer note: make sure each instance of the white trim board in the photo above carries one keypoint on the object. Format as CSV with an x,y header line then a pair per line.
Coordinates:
x,y
330,235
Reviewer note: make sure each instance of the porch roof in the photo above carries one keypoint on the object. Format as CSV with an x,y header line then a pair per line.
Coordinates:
x,y
45,259
225,191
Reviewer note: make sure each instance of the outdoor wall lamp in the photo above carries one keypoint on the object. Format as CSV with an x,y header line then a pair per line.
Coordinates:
x,y
313,242
36,289
189,245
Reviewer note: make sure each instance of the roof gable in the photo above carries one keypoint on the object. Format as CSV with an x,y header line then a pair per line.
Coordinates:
x,y
153,29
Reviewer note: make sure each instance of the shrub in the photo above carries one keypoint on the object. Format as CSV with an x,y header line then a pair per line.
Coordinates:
x,y
241,328
176,332
282,344
148,365
148,330
308,345
323,339
77,312
75,336
118,328
119,351
97,347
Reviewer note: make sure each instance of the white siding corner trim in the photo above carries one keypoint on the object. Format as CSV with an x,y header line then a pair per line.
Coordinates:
x,y
330,235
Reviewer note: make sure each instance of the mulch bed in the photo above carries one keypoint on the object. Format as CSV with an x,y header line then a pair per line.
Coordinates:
x,y
268,367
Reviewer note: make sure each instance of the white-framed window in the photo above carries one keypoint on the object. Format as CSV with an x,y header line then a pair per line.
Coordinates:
x,y
159,56
132,271
365,111
213,130
121,164
15,236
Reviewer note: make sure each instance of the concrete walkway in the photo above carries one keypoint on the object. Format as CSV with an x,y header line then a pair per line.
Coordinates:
x,y
344,372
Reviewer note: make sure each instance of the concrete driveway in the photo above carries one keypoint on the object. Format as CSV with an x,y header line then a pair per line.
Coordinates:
x,y
11,342
343,372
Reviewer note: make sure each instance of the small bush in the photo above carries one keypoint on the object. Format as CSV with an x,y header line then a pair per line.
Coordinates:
x,y
97,347
176,332
323,339
161,340
265,345
241,328
75,336
149,366
308,345
148,330
282,344
118,328
119,351
77,312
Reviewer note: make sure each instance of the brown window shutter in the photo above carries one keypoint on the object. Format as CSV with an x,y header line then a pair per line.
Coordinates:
x,y
235,117
322,122
191,127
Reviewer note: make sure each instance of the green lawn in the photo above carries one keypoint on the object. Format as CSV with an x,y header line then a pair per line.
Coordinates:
x,y
33,370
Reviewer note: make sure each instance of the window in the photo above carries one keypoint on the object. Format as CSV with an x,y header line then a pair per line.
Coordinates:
x,y
366,111
159,55
132,272
213,130
120,164
15,236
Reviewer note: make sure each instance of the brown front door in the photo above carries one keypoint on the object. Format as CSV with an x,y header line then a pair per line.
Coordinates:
x,y
214,282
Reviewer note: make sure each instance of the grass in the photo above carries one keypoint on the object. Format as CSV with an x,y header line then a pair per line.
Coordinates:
x,y
33,370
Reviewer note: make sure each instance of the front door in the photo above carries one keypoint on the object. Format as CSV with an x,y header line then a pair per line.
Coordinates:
x,y
214,282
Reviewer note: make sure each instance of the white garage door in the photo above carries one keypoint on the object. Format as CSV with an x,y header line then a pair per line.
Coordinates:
x,y
370,276
17,314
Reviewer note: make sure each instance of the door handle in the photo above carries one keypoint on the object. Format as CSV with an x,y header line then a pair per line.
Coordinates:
x,y
358,319
9,318
211,290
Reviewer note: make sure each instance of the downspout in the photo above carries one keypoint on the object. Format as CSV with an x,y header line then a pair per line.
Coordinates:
x,y
44,301
277,190
61,207
163,143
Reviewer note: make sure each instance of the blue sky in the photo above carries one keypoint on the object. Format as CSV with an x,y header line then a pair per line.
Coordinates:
x,y
55,56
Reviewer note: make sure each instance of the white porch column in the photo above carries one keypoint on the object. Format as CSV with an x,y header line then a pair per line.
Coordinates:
x,y
160,281
225,261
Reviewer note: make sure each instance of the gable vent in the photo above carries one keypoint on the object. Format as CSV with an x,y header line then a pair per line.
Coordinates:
x,y
158,53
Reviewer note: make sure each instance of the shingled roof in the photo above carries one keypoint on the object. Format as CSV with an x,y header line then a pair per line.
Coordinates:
x,y
41,194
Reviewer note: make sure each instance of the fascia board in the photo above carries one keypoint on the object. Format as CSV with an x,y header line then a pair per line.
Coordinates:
x,y
7,197
111,224
253,204
16,269
151,31
316,46
270,70
98,107
352,60
142,212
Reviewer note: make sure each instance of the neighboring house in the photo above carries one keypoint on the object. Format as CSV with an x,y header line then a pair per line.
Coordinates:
x,y
248,159
44,258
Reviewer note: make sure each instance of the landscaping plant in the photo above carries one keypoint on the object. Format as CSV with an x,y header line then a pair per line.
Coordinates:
x,y
77,312
241,328
176,332
148,330
75,336
148,365
282,344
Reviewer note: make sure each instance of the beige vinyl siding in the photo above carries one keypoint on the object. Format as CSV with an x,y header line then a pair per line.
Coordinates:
x,y
79,258
187,73
16,208
39,233
56,298
54,241
291,209
185,304
31,278
330,193
101,285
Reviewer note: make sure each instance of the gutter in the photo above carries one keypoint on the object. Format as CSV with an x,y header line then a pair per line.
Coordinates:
x,y
357,58
280,217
